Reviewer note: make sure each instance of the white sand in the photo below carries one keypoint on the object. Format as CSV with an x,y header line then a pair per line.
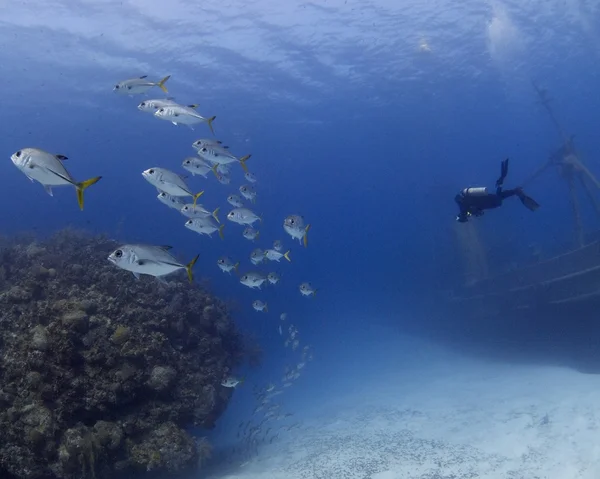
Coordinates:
x,y
450,418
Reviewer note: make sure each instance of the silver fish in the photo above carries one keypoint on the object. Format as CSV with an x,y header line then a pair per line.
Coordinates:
x,y
253,279
196,166
204,226
243,216
235,201
273,278
149,259
306,289
184,115
257,256
250,233
283,316
135,86
294,226
258,305
274,255
48,169
198,211
226,264
175,202
169,182
251,177
221,156
232,381
150,106
277,245
206,142
224,179
248,192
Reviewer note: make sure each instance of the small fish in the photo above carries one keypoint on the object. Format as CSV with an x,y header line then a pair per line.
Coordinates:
x,y
294,226
175,202
148,259
283,316
196,166
274,255
226,264
223,179
184,115
235,201
135,86
259,306
251,177
257,256
204,226
232,381
248,192
253,279
198,211
243,216
270,387
280,331
150,106
48,169
295,345
277,245
250,233
223,169
273,278
306,289
207,142
169,182
221,156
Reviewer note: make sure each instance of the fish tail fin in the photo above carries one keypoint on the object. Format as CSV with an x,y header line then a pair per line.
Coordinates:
x,y
161,84
188,268
196,196
287,255
305,238
193,105
314,292
214,170
236,266
221,231
243,160
82,186
210,122
242,380
215,213
266,308
257,235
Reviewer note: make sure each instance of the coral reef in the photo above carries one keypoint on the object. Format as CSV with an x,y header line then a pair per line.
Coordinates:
x,y
101,374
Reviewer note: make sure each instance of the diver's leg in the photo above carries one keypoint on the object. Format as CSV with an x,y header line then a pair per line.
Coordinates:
x,y
503,173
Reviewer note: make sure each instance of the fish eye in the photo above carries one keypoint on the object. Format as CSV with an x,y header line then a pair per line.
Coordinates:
x,y
18,154
143,103
221,261
151,171
203,150
129,87
176,114
292,221
188,222
118,253
161,110
117,87
187,162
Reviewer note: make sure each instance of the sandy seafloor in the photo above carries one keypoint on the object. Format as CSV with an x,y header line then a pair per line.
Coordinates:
x,y
445,417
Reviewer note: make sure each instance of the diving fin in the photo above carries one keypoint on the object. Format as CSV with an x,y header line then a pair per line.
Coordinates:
x,y
503,173
529,202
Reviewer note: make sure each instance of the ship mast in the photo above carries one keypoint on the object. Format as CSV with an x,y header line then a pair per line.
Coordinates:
x,y
572,170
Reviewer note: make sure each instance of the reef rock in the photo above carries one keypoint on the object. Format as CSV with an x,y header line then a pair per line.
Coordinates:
x,y
100,373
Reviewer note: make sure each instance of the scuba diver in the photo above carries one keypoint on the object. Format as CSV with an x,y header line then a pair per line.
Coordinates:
x,y
473,201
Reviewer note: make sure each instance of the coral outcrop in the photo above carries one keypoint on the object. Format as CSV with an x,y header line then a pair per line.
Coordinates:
x,y
101,374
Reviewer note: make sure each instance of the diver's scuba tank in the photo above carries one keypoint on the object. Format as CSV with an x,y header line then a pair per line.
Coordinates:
x,y
479,191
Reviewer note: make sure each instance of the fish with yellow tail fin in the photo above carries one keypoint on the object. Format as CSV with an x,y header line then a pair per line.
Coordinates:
x,y
169,182
226,264
219,155
48,170
250,233
137,86
274,255
295,227
184,115
204,226
149,259
243,216
198,211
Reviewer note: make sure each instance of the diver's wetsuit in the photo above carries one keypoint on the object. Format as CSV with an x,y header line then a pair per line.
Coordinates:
x,y
473,201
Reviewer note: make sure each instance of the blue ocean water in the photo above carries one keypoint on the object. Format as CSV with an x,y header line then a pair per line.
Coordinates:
x,y
364,117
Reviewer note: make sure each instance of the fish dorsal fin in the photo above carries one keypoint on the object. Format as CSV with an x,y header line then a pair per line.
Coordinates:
x,y
166,247
193,105
61,157
143,76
